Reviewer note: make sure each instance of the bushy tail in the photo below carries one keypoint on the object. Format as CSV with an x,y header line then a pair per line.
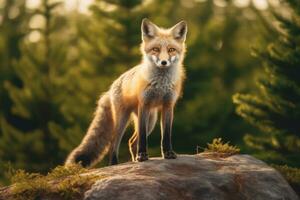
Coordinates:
x,y
96,143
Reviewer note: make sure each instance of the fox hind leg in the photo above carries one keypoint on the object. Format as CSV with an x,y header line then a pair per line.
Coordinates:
x,y
121,125
132,143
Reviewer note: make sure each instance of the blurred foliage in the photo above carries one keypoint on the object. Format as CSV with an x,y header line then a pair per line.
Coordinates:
x,y
291,174
275,108
51,75
38,103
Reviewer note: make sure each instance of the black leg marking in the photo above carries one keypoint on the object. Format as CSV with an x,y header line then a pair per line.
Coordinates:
x,y
83,159
113,159
169,155
142,157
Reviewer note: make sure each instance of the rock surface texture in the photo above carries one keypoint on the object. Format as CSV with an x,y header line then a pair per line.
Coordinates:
x,y
191,177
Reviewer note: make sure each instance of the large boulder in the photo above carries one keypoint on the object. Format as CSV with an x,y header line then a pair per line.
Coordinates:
x,y
202,176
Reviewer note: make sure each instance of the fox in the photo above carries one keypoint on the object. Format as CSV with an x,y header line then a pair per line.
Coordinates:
x,y
137,96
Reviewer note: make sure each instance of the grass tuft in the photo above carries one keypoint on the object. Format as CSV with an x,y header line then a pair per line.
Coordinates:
x,y
218,147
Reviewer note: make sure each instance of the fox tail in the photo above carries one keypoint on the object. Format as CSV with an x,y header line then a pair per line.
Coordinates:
x,y
96,143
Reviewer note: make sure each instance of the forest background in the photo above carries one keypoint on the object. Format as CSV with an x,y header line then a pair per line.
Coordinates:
x,y
57,57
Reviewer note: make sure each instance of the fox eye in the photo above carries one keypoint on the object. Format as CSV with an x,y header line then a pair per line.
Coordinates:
x,y
155,49
171,50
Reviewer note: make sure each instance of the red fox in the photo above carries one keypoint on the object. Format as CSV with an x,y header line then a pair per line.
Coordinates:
x,y
137,95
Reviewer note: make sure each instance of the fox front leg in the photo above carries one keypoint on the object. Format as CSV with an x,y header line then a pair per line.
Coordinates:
x,y
166,132
143,120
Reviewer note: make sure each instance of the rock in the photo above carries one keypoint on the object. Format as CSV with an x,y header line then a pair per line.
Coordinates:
x,y
190,177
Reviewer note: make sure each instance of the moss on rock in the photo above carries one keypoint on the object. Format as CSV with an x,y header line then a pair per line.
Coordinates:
x,y
63,182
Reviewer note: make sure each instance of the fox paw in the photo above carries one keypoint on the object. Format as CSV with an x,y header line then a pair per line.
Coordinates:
x,y
169,155
143,156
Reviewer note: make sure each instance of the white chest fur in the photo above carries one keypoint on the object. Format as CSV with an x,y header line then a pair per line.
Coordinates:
x,y
162,83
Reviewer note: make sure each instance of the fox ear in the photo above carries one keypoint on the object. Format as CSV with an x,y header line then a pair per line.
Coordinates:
x,y
149,29
179,31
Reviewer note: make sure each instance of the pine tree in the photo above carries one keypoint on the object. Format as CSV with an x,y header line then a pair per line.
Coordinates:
x,y
47,104
13,17
12,30
275,109
113,35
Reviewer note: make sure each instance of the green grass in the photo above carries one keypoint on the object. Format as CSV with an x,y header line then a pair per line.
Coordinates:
x,y
220,148
62,182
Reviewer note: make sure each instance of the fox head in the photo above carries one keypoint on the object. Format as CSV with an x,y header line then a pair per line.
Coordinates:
x,y
163,47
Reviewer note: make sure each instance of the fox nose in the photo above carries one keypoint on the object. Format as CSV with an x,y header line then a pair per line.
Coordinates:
x,y
163,62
